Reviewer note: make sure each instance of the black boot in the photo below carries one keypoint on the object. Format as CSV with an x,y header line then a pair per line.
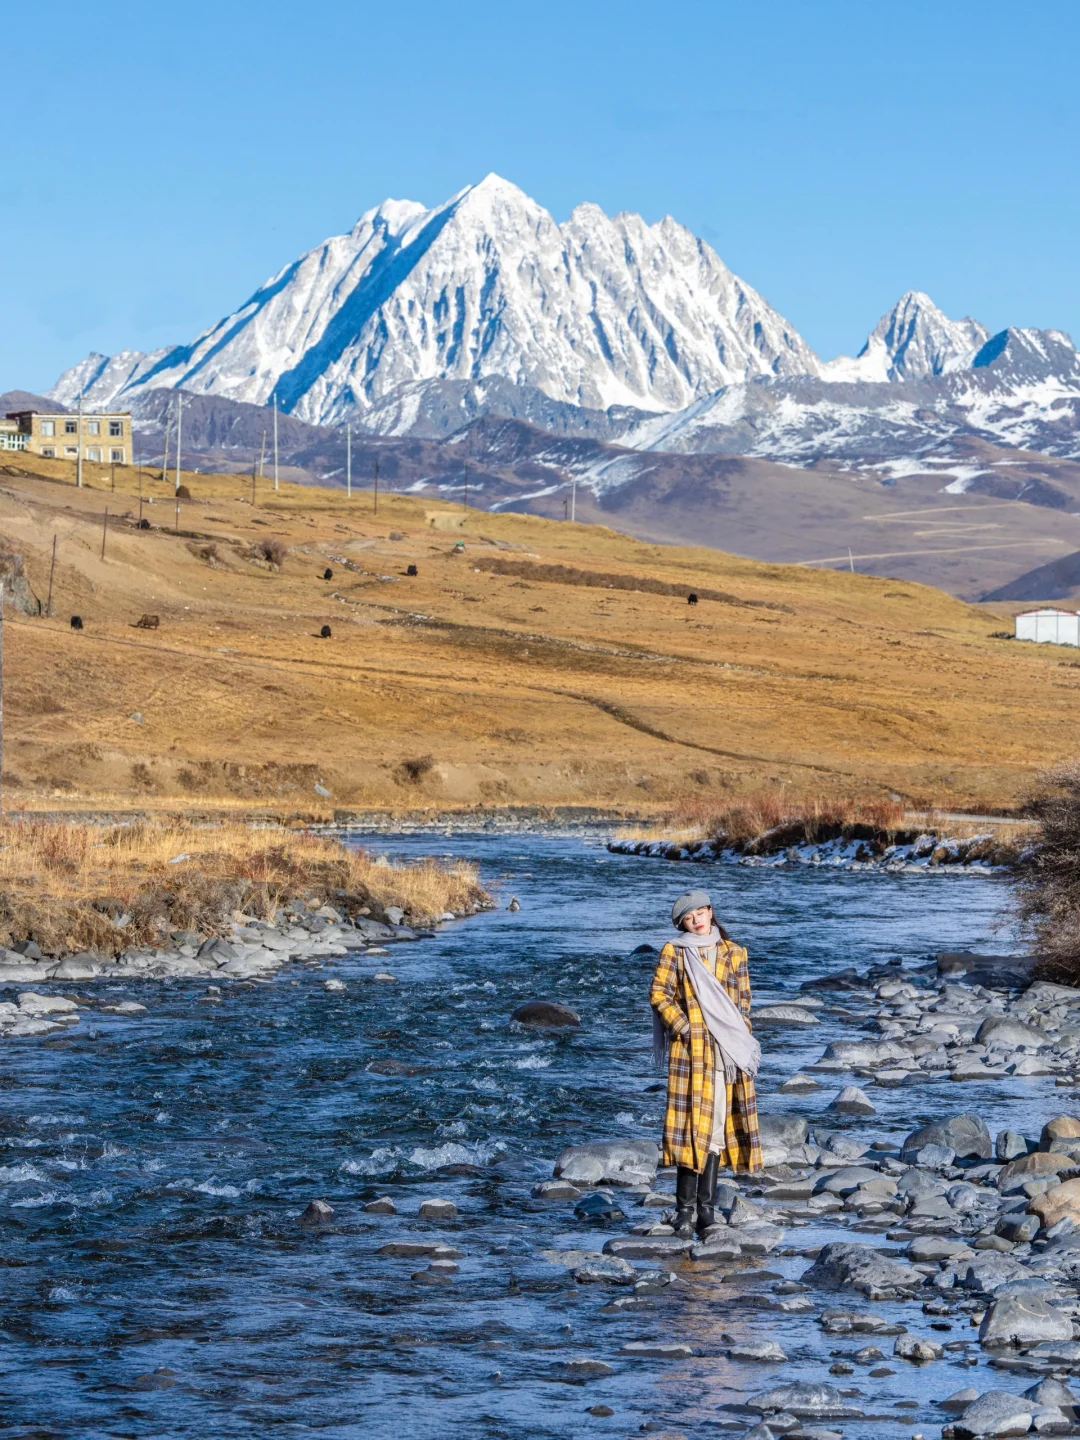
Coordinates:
x,y
686,1183
706,1194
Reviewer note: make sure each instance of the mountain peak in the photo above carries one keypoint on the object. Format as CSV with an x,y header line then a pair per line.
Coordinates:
x,y
913,341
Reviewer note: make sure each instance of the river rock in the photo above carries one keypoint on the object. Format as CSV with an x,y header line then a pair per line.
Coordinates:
x,y
317,1213
1060,1203
648,1247
383,1206
1051,1392
559,1190
852,1101
799,1084
599,1206
716,1251
807,1400
932,1248
766,1351
1062,1127
996,1413
784,1015
83,966
847,1180
605,1269
782,1131
930,1157
919,1352
546,1015
966,1135
1036,1166
438,1210
656,1350
1010,1146
30,1003
1056,1352
862,1268
855,1322
865,1054
577,1372
1023,1320
609,1162
1008,1033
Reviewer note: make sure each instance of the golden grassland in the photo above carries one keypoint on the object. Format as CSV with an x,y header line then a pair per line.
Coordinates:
x,y
72,886
545,664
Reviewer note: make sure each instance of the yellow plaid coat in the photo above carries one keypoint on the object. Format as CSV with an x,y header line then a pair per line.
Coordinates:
x,y
691,1097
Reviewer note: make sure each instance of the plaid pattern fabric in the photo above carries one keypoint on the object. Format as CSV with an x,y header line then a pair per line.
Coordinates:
x,y
691,1097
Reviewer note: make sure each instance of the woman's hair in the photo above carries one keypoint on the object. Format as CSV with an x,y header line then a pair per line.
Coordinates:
x,y
723,933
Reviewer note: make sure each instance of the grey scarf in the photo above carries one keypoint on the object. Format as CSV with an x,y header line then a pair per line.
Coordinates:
x,y
736,1047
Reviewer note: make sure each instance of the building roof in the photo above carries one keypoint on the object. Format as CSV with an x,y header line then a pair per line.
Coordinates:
x,y
69,414
1049,610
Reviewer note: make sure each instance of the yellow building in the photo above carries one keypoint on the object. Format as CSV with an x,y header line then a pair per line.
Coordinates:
x,y
104,437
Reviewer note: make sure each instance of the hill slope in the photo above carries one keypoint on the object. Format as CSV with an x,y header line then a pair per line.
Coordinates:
x,y
544,664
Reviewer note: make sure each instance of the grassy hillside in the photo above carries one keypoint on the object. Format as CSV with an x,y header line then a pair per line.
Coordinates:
x,y
546,663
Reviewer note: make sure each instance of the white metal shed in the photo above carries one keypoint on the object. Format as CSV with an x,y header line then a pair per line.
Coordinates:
x,y
1049,627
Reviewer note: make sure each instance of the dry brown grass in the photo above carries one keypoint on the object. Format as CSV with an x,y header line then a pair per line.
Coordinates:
x,y
75,886
1048,889
792,820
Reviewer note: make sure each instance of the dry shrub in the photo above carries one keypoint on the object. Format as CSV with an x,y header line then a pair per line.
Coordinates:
x,y
270,551
73,886
1048,880
205,550
413,771
768,820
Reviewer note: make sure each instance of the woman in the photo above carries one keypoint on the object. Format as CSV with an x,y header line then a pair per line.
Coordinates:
x,y
701,1012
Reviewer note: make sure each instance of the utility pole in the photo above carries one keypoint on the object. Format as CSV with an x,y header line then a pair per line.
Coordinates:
x,y
165,456
573,501
376,487
52,572
78,445
465,501
348,461
113,464
140,489
179,430
275,443
850,560
105,531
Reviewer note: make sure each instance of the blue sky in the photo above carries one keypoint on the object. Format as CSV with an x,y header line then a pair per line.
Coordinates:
x,y
163,161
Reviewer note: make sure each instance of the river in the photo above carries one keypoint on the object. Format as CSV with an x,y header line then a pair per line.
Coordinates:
x,y
156,1281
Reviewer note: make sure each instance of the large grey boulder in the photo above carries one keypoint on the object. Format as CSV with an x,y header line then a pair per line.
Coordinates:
x,y
865,1054
1023,1320
83,966
847,1180
861,1267
782,1131
852,1101
806,1400
609,1162
966,1135
986,1274
997,1413
1009,1034
784,1015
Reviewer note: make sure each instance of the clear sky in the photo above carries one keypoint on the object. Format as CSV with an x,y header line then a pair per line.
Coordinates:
x,y
162,161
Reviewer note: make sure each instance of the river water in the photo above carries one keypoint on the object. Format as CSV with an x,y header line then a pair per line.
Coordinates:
x,y
156,1281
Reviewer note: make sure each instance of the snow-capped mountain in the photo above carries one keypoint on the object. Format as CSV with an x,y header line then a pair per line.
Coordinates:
x,y
597,312
912,342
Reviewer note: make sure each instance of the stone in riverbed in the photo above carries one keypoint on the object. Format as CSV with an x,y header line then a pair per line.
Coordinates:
x,y
767,1351
556,1190
656,1350
1062,1127
784,1015
383,1206
852,1101
653,1247
799,1084
1009,1034
546,1015
782,1131
919,1352
966,1135
855,1322
30,1003
931,1248
862,1268
807,1400
438,1210
1060,1203
996,1413
864,1054
317,1213
716,1251
605,1269
930,1157
1010,1146
578,1372
82,966
609,1162
1036,1166
1023,1320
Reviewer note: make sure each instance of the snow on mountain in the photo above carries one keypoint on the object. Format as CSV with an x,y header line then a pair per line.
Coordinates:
x,y
912,342
101,378
597,312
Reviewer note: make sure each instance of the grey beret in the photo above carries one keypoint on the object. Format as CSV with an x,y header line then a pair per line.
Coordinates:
x,y
692,900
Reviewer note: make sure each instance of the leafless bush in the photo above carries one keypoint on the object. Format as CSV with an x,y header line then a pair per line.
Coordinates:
x,y
413,771
270,551
1048,879
768,820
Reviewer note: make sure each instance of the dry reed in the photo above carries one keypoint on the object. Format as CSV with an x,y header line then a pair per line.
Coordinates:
x,y
1048,879
743,822
74,886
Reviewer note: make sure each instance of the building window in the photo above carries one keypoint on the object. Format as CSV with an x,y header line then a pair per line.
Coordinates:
x,y
94,452
71,427
49,451
116,428
48,427
93,427
71,450
116,456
